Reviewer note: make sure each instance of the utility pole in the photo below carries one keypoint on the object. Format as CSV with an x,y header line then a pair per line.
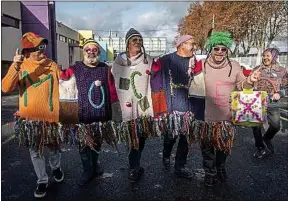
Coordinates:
x,y
213,21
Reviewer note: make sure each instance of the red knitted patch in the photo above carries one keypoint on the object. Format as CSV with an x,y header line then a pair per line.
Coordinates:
x,y
159,102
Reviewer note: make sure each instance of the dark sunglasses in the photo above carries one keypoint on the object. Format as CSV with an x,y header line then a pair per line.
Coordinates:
x,y
222,49
93,50
135,40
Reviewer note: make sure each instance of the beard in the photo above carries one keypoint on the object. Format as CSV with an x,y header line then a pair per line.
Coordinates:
x,y
91,59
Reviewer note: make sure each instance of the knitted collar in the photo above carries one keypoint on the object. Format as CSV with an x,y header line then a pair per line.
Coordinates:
x,y
122,59
217,66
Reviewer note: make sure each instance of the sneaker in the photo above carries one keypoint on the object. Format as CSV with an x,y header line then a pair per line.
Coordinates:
x,y
269,145
260,152
40,191
183,172
209,180
58,175
166,162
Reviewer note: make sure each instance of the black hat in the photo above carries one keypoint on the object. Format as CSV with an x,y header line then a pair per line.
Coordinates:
x,y
132,32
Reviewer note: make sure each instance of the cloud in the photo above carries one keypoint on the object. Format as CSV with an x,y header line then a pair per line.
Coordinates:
x,y
158,19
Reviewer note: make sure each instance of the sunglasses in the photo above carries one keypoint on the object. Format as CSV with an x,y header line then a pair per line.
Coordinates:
x,y
41,47
222,49
93,50
135,40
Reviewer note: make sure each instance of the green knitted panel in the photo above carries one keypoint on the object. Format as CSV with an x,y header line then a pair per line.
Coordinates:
x,y
132,76
35,85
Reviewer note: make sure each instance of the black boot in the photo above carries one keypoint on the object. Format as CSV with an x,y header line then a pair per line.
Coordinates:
x,y
87,175
135,174
221,175
85,179
98,170
183,172
209,180
166,162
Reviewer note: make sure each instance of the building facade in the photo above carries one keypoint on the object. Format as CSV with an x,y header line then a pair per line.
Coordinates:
x,y
11,29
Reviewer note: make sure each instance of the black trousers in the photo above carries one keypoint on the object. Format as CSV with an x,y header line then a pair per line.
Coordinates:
x,y
135,155
274,127
182,149
89,159
213,161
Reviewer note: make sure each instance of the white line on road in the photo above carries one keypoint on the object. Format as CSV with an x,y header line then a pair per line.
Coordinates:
x,y
9,139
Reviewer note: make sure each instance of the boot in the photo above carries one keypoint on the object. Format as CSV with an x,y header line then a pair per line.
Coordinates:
x,y
221,175
166,162
181,171
98,170
135,174
210,180
87,174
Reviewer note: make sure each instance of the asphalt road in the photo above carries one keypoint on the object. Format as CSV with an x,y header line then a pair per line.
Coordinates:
x,y
249,178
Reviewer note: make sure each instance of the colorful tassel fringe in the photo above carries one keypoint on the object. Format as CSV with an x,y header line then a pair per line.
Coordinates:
x,y
38,134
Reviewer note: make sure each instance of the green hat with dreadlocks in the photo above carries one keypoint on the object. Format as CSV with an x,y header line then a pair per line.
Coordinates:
x,y
219,38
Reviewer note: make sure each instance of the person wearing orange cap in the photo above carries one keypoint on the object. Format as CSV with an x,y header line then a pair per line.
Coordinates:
x,y
37,78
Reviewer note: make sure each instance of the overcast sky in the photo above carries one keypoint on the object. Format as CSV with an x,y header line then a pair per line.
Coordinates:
x,y
121,16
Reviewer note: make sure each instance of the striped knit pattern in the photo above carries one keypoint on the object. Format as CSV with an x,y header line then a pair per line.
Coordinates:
x,y
39,89
86,76
178,66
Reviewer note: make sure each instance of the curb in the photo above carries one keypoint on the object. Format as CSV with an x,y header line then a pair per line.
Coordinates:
x,y
7,129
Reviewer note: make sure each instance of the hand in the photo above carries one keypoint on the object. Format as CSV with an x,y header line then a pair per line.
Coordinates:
x,y
276,96
18,59
254,76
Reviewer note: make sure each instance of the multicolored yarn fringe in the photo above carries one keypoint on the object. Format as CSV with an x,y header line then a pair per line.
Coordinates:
x,y
37,135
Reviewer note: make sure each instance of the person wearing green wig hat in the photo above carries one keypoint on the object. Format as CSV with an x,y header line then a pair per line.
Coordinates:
x,y
221,76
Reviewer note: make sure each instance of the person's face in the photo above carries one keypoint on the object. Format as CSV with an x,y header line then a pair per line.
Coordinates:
x,y
37,53
267,58
219,53
135,44
189,47
90,53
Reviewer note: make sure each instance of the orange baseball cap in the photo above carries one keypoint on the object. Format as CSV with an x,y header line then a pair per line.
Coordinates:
x,y
32,40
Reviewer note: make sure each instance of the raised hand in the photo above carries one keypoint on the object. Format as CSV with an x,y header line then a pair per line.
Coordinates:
x,y
254,76
18,59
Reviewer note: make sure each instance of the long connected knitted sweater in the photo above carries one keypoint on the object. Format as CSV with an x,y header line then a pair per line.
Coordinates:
x,y
94,101
136,89
39,92
219,87
175,73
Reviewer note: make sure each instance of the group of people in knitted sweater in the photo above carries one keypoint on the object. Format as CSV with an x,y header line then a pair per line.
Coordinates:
x,y
137,98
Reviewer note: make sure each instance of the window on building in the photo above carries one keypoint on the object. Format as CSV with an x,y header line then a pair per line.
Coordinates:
x,y
56,36
69,40
63,38
8,21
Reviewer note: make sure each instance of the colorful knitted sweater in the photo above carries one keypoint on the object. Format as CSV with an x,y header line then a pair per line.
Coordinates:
x,y
175,70
139,93
39,92
275,76
94,101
